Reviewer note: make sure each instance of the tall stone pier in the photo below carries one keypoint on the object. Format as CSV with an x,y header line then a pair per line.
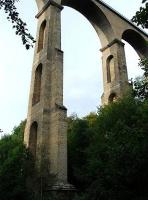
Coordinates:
x,y
46,129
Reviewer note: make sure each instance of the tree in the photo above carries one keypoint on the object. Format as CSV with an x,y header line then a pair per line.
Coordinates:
x,y
141,17
78,141
15,166
108,159
141,84
18,24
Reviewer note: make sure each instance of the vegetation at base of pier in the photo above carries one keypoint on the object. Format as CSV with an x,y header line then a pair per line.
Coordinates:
x,y
15,166
107,154
108,151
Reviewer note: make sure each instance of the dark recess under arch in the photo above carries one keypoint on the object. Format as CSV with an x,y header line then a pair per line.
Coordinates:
x,y
33,138
136,41
37,85
41,36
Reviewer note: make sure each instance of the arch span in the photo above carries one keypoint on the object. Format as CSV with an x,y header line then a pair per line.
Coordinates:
x,y
50,113
136,41
79,57
95,16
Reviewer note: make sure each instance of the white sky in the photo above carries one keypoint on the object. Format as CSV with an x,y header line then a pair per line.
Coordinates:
x,y
82,67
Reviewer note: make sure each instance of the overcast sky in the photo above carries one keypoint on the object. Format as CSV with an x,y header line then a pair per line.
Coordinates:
x,y
82,63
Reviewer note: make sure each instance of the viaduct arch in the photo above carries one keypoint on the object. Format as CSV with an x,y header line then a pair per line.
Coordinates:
x,y
46,107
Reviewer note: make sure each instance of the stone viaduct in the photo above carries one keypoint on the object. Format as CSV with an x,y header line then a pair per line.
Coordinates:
x,y
46,128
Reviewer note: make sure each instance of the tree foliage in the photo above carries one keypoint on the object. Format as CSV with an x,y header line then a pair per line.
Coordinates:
x,y
18,24
109,158
107,154
141,17
15,166
141,83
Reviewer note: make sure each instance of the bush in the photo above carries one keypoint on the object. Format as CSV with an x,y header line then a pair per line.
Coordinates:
x,y
109,158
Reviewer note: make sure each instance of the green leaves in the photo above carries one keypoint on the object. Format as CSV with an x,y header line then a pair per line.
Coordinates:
x,y
140,84
18,24
15,166
108,159
107,155
141,17
144,1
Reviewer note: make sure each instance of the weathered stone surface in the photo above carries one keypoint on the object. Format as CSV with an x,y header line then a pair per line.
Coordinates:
x,y
46,128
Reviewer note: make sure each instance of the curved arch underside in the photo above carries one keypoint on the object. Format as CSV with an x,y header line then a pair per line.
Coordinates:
x,y
111,27
95,16
136,41
102,23
47,116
